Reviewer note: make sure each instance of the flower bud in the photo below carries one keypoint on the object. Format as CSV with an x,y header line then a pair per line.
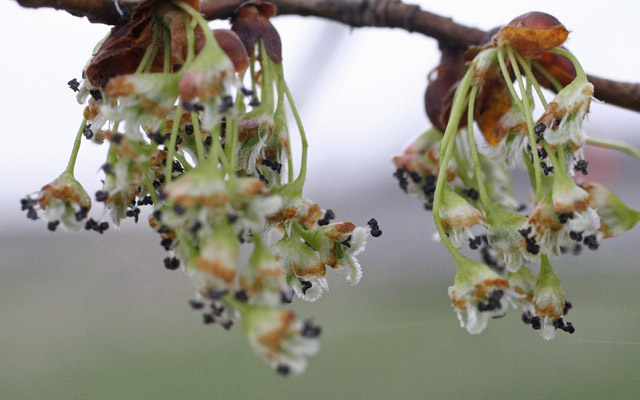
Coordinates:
x,y
533,34
548,298
480,291
458,216
615,216
279,337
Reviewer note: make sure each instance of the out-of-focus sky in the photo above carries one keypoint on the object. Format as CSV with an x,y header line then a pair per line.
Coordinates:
x,y
360,90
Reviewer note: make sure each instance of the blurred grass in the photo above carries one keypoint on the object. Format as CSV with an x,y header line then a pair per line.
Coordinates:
x,y
89,319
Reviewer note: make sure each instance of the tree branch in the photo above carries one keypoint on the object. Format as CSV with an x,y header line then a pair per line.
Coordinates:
x,y
355,13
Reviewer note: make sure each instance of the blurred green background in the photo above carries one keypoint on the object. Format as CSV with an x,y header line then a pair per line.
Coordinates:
x,y
90,317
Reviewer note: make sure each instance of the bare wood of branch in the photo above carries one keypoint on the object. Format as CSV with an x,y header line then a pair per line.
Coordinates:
x,y
355,13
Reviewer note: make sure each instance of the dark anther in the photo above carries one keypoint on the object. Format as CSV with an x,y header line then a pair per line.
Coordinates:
x,y
472,193
102,195
32,214
564,217
286,296
158,138
475,243
241,295
581,166
569,328
310,331
117,138
346,242
208,140
521,208
525,232
188,129
192,107
87,132
164,229
177,167
592,242
103,226
74,84
227,103
535,323
145,201
415,176
576,236
246,92
527,317
82,214
216,294
306,285
96,94
542,153
179,209
90,224
135,213
262,178
232,218
196,305
567,307
107,168
559,323
208,319
227,325
532,246
283,370
217,311
557,122
171,263
53,225
195,227
255,102
166,243
402,180
539,129
376,233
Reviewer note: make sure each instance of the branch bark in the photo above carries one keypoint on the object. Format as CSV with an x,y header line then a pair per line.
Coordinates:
x,y
355,13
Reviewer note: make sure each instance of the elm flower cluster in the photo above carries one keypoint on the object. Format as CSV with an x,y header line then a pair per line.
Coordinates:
x,y
195,121
481,104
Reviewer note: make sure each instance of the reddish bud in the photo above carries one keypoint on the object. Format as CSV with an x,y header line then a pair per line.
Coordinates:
x,y
533,34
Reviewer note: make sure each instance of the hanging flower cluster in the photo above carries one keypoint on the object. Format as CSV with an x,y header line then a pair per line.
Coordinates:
x,y
481,104
196,126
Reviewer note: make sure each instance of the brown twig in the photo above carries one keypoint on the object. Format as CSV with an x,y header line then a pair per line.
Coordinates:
x,y
355,13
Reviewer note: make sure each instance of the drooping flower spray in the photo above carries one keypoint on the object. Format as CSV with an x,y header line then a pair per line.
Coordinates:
x,y
463,176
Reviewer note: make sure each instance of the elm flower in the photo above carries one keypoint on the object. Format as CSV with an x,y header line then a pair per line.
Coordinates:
x,y
567,196
263,279
205,80
503,235
548,299
523,283
279,337
481,292
63,201
253,133
615,216
215,266
562,120
251,201
141,100
458,216
338,245
305,271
